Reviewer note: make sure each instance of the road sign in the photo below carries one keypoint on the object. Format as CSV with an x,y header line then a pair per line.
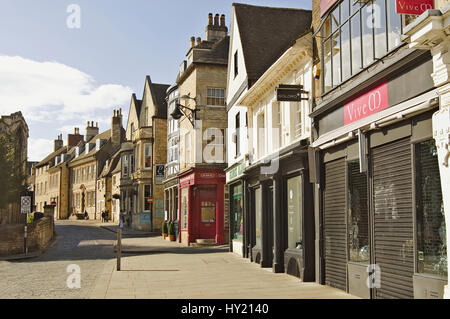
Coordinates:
x,y
25,204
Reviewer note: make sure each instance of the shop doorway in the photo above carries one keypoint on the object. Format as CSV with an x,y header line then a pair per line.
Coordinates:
x,y
206,208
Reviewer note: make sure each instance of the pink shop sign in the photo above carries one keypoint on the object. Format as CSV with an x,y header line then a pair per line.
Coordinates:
x,y
367,104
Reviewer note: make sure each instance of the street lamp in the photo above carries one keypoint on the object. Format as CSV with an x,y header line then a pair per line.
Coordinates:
x,y
180,110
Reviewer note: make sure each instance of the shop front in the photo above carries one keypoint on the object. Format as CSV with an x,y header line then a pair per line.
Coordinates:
x,y
202,206
236,204
280,227
382,231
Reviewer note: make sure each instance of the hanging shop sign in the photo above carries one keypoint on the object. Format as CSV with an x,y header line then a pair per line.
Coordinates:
x,y
160,174
415,7
291,93
367,104
325,5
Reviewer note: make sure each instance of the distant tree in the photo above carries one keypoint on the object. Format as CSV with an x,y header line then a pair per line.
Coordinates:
x,y
12,175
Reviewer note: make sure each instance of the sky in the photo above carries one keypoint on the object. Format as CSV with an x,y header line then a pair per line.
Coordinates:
x,y
63,63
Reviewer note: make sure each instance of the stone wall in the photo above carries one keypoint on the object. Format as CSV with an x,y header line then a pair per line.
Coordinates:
x,y
12,239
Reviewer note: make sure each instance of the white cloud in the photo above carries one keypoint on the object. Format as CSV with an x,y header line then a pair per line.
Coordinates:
x,y
54,98
39,148
49,91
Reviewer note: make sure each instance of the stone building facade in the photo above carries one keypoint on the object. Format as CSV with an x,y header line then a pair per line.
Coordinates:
x,y
202,87
87,165
377,150
145,156
14,125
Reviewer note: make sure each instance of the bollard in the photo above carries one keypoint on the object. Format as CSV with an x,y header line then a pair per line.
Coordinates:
x,y
119,248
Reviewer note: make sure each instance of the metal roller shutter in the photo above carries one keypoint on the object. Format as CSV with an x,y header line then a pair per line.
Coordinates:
x,y
393,219
334,225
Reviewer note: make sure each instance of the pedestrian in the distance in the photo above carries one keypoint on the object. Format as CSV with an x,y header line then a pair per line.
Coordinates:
x,y
86,216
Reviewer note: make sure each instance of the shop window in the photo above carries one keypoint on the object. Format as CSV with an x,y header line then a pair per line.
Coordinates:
x,y
175,208
238,213
354,35
295,212
238,134
431,230
358,214
258,217
208,212
184,207
147,195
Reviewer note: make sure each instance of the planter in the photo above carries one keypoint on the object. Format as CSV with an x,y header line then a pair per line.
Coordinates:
x,y
164,236
172,237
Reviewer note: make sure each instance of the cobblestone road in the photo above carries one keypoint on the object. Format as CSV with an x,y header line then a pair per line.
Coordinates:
x,y
81,243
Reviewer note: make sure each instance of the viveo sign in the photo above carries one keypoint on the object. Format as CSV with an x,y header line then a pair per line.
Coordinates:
x,y
415,7
367,104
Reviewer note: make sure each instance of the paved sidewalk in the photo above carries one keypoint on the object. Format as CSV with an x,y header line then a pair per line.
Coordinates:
x,y
167,270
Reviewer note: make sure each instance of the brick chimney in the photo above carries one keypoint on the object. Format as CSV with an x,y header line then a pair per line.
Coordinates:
x,y
217,31
91,130
116,128
58,143
74,139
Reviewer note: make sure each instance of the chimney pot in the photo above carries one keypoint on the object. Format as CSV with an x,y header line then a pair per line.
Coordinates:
x,y
120,111
192,42
216,19
210,19
222,20
199,40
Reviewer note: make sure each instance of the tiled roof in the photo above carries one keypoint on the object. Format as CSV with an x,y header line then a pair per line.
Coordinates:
x,y
106,135
52,156
159,99
267,32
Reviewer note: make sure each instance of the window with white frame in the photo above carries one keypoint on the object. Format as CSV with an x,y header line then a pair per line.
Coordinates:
x,y
147,156
147,195
261,135
138,158
215,97
354,35
125,166
277,124
298,119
